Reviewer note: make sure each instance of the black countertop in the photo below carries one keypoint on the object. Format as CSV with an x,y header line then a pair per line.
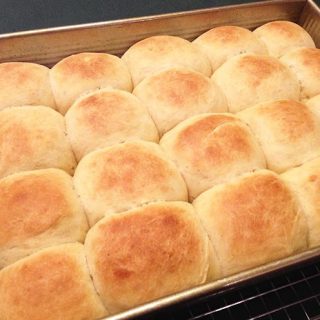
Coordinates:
x,y
18,15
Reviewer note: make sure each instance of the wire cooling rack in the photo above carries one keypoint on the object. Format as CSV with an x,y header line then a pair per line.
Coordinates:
x,y
293,294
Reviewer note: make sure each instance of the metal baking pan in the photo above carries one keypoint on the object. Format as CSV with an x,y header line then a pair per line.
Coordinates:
x,y
48,46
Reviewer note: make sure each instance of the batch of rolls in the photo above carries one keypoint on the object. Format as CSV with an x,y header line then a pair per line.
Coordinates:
x,y
124,180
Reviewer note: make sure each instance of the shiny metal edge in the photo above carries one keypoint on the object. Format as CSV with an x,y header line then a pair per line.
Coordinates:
x,y
310,20
47,46
143,18
224,283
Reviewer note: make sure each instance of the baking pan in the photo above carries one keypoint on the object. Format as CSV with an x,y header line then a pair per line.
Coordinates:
x,y
48,46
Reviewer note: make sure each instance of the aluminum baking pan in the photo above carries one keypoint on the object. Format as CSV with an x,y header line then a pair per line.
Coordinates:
x,y
48,46
223,283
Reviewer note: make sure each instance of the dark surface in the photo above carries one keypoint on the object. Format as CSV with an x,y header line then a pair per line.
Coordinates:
x,y
17,15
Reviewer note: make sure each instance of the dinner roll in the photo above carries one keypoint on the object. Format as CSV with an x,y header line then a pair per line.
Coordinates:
x,y
288,132
250,79
24,83
51,284
38,209
124,176
33,138
314,105
106,117
176,94
282,36
147,253
223,43
251,221
82,72
305,64
212,148
304,181
156,53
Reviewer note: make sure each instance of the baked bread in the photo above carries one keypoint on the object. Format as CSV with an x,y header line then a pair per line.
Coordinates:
x,y
146,241
147,253
282,36
304,181
176,94
157,53
225,42
24,83
83,72
314,105
38,209
251,221
305,64
124,176
247,80
288,132
33,138
51,284
106,117
212,148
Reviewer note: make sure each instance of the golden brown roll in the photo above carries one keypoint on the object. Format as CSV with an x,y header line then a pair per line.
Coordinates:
x,y
157,53
125,176
305,64
83,72
288,132
38,209
106,117
176,94
51,284
282,36
24,83
304,181
223,43
250,79
314,105
212,148
33,138
147,253
251,221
